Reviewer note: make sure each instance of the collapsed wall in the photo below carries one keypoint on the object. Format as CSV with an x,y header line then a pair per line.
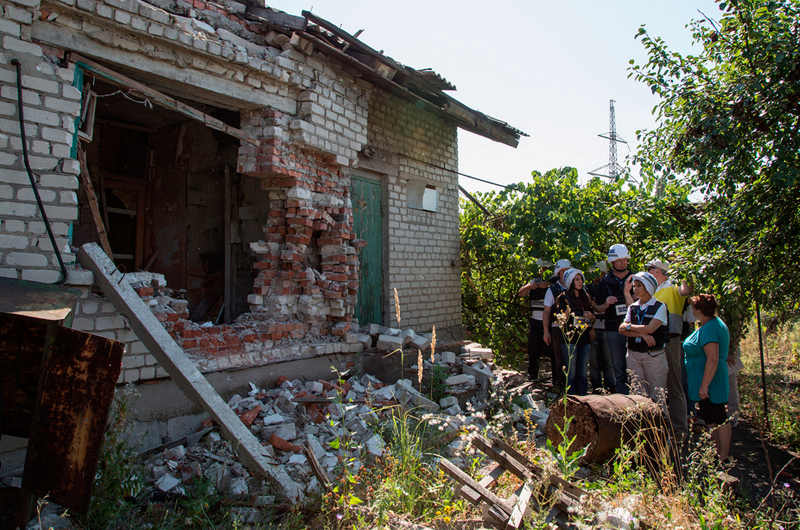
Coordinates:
x,y
316,122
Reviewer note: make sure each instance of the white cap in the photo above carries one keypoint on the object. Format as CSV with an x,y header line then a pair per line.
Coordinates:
x,y
570,275
648,280
617,252
659,264
562,264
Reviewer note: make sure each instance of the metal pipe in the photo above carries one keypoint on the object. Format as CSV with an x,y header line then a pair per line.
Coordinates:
x,y
63,278
763,371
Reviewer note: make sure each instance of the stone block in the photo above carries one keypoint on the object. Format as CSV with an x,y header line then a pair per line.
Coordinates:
x,y
460,379
480,373
448,401
389,342
448,357
286,431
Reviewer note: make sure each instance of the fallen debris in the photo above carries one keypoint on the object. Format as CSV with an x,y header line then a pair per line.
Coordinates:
x,y
509,513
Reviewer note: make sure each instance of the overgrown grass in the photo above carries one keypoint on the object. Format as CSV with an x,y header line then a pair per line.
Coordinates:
x,y
646,480
782,370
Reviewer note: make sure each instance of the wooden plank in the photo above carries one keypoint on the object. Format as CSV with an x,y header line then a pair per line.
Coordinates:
x,y
86,180
471,495
162,99
515,520
487,496
276,18
570,489
353,41
508,462
182,370
322,477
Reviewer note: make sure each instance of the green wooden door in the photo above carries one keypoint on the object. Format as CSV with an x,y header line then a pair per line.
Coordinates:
x,y
367,225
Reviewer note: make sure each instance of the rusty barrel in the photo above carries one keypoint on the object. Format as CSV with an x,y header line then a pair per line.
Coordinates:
x,y
603,422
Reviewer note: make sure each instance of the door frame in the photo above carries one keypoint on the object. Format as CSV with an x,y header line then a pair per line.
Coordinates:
x,y
383,180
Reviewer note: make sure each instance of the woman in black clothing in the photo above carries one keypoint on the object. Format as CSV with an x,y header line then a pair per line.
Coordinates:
x,y
573,310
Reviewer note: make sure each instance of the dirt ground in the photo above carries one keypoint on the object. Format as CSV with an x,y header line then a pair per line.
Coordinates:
x,y
754,470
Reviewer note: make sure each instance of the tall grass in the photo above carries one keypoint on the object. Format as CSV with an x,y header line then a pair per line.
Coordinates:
x,y
781,345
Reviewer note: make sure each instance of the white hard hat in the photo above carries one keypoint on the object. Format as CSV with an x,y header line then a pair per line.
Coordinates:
x,y
617,252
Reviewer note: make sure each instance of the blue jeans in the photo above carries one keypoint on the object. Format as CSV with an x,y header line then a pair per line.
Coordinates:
x,y
617,346
601,373
576,356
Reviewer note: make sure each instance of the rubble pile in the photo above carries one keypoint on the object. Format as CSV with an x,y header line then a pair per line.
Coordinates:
x,y
336,421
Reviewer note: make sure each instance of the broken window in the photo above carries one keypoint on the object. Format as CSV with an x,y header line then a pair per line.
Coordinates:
x,y
423,196
161,182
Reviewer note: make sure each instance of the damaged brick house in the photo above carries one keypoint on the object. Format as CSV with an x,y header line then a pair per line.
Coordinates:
x,y
277,175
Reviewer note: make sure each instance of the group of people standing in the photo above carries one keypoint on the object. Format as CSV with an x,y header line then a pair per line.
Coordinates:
x,y
624,331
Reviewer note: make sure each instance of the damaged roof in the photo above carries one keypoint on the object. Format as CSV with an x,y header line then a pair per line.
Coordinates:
x,y
421,86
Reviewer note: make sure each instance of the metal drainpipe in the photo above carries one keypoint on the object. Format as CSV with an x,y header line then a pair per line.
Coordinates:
x,y
63,278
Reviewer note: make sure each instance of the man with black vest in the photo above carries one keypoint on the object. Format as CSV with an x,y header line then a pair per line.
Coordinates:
x,y
535,291
552,333
612,297
646,326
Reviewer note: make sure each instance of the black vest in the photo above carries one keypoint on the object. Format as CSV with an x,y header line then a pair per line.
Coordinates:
x,y
556,289
613,286
536,298
661,335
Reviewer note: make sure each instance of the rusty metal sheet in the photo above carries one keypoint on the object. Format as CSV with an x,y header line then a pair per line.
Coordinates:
x,y
75,391
37,300
22,344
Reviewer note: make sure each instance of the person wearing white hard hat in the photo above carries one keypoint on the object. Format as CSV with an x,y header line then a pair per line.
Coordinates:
x,y
612,298
646,327
574,310
535,290
674,296
552,335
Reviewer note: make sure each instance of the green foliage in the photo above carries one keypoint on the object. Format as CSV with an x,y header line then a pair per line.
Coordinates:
x,y
119,475
729,121
438,374
551,218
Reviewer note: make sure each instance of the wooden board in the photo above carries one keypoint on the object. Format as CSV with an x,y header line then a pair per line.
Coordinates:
x,y
486,496
86,181
162,99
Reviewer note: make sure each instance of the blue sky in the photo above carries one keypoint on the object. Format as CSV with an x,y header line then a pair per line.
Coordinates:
x,y
547,68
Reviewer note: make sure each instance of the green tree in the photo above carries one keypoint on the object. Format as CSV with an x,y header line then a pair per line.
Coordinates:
x,y
729,122
551,218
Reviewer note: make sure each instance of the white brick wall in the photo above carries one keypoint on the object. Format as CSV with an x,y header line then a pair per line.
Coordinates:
x,y
51,104
422,244
336,113
97,316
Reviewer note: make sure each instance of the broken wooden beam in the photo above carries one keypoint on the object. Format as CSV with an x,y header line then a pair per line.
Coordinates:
x,y
88,188
182,370
162,99
486,496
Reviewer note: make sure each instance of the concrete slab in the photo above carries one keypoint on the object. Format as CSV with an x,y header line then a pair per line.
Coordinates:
x,y
183,371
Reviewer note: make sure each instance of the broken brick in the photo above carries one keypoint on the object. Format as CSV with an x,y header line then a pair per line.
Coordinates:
x,y
249,417
279,443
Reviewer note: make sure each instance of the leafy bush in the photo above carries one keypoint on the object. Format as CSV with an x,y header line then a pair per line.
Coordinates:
x,y
551,218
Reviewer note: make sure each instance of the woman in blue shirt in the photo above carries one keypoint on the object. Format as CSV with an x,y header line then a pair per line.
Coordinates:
x,y
706,365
